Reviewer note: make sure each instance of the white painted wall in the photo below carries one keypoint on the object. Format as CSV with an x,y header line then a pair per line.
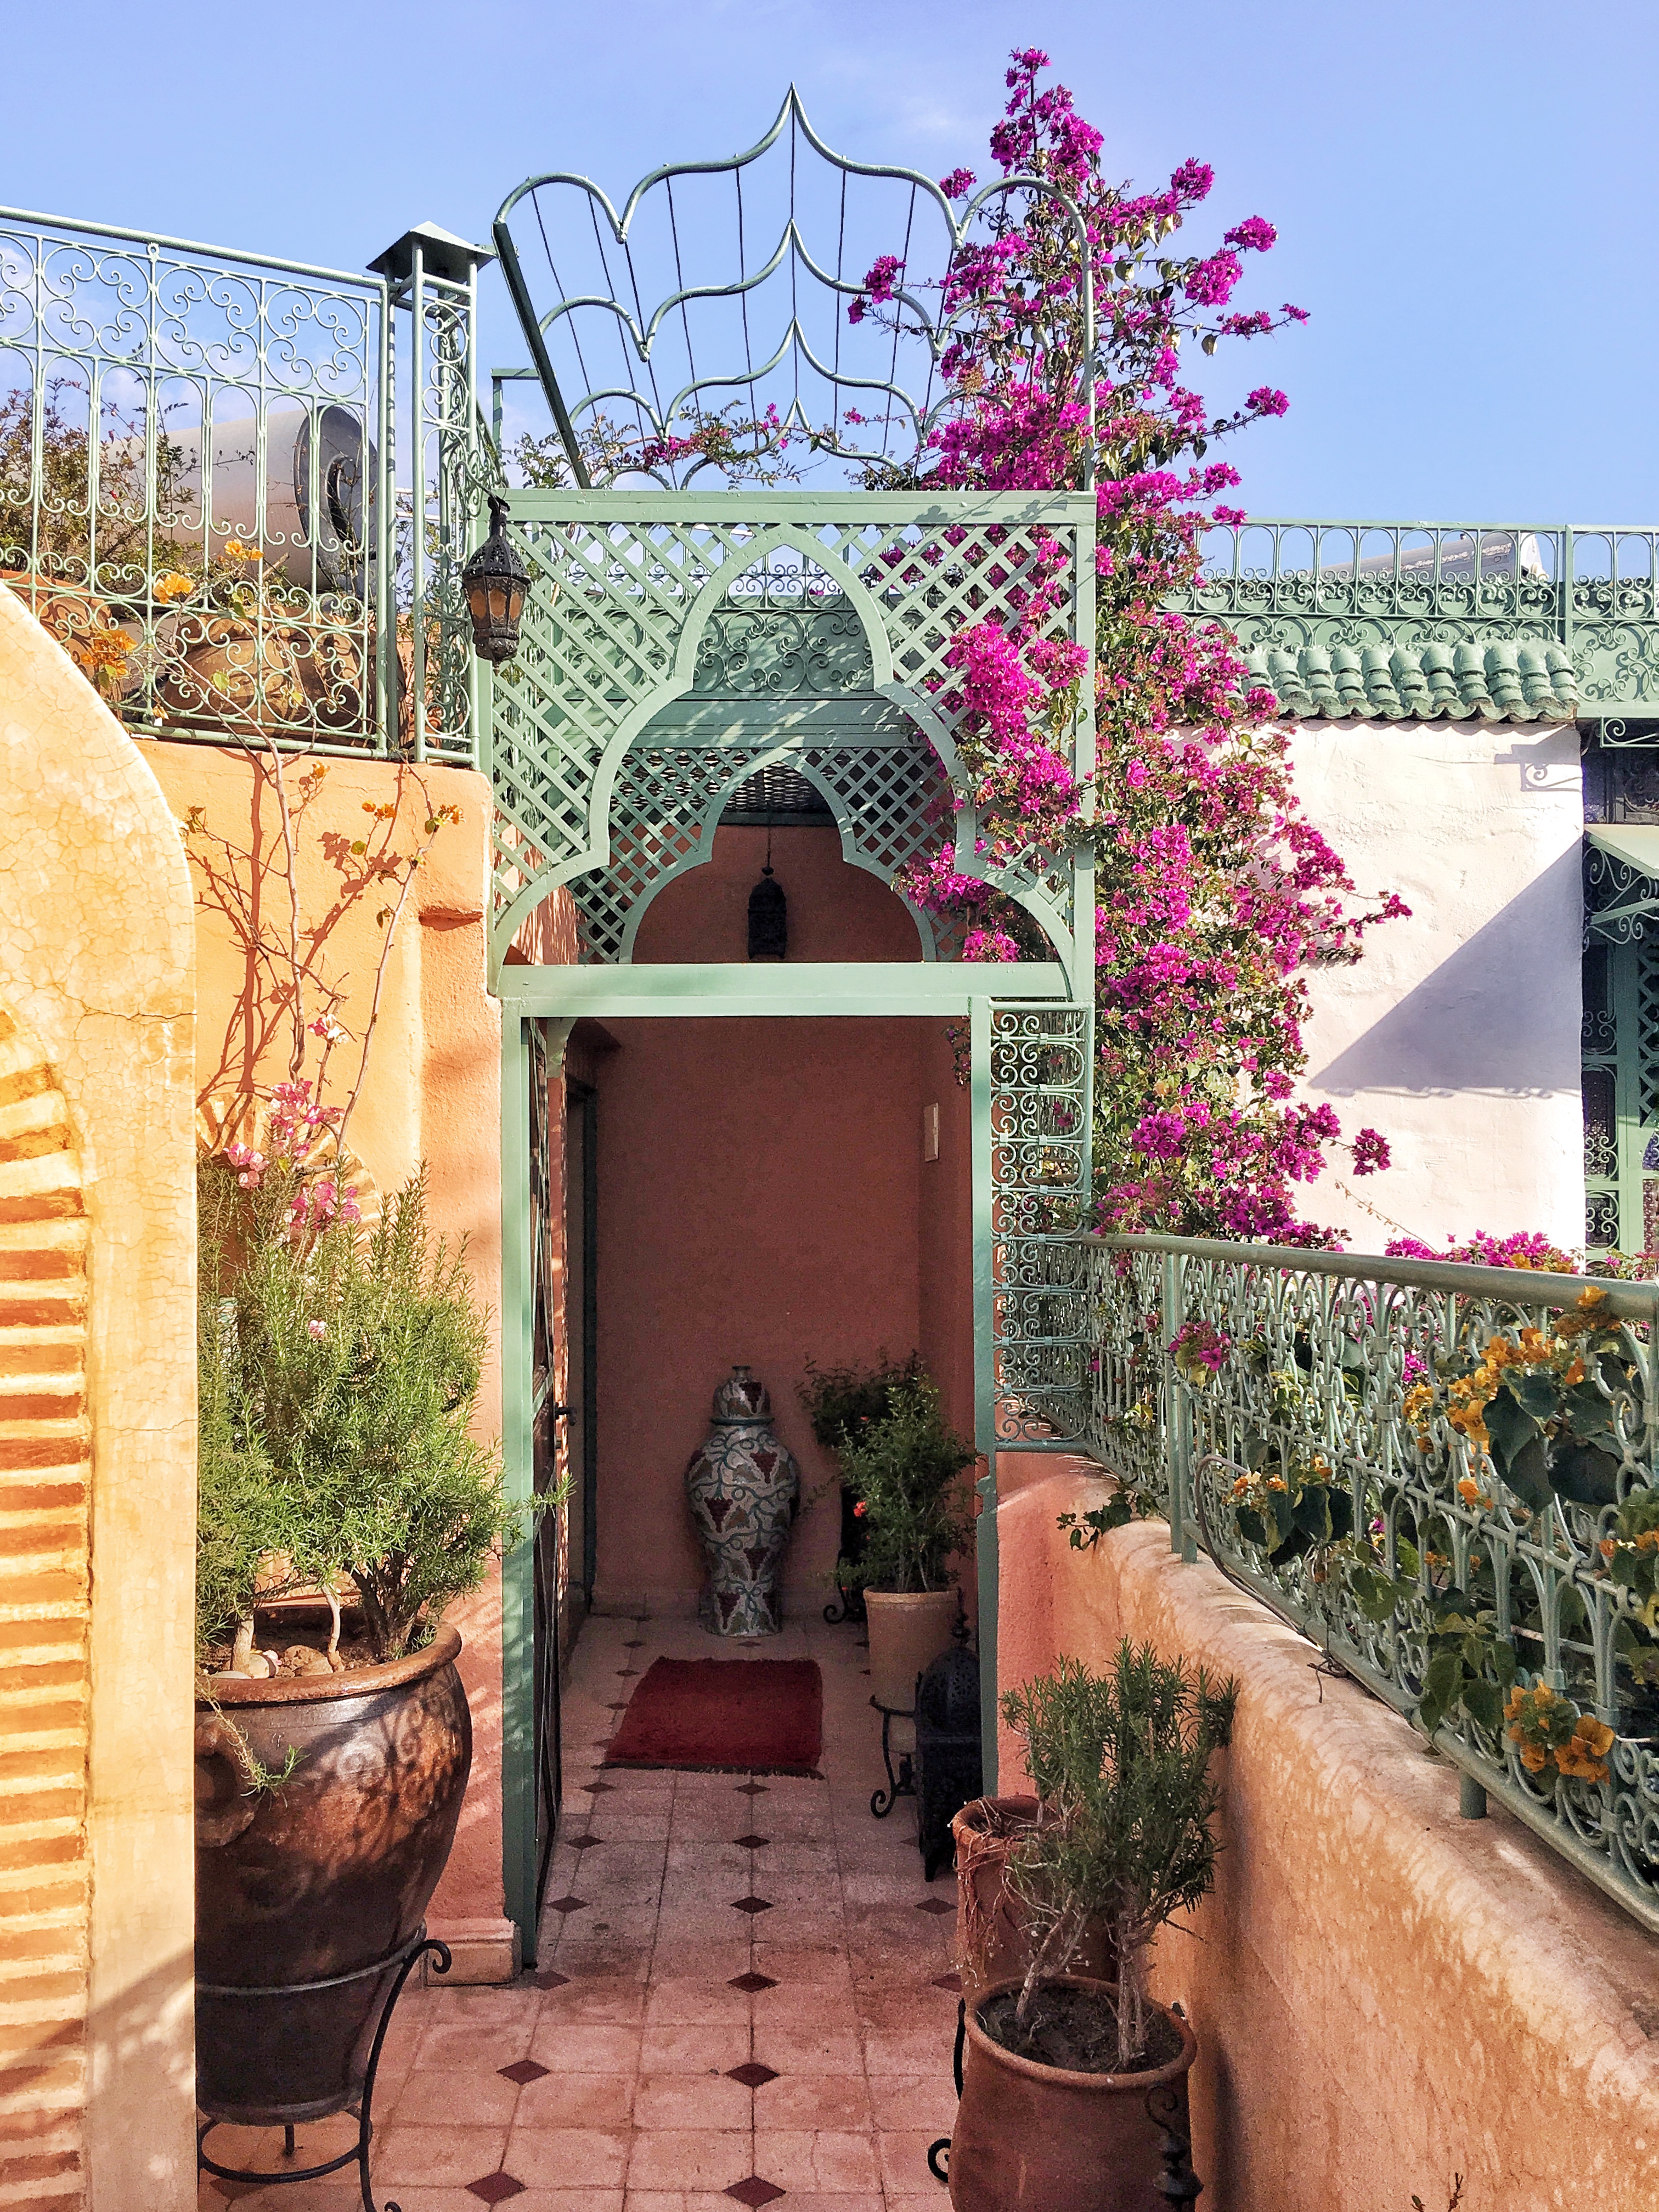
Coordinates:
x,y
1457,1035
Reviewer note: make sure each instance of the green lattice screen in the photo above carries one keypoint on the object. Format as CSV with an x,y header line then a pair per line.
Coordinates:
x,y
675,642
1041,1067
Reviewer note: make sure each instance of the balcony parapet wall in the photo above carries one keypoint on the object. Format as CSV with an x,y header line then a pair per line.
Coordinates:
x,y
1385,1993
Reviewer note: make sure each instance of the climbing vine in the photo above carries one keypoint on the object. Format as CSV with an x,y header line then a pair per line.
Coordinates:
x,y
1216,895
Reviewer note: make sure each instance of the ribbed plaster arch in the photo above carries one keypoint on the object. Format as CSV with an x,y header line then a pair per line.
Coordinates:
x,y
97,969
45,1623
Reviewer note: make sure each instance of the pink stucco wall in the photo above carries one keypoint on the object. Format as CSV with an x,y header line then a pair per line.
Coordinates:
x,y
433,1094
763,1198
1385,1993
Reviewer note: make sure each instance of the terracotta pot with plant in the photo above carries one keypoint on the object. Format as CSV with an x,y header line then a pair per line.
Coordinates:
x,y
902,1461
1073,2087
343,1505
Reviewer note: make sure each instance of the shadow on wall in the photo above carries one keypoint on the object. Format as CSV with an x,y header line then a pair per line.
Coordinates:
x,y
1477,1023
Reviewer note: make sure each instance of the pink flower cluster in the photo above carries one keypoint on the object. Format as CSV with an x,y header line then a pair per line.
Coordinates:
x,y
1216,895
1526,1247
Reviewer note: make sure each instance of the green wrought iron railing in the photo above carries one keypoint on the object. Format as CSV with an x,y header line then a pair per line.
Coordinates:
x,y
1315,1354
199,495
1585,597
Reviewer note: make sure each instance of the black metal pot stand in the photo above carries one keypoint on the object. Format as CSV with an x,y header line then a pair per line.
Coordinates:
x,y
404,1959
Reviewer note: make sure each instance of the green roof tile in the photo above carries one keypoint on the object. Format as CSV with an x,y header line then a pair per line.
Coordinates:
x,y
1503,681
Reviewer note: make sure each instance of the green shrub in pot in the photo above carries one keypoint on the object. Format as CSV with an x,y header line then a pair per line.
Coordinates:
x,y
1064,2072
340,1368
902,1463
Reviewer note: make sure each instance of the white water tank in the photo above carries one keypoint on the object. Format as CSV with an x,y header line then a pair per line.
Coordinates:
x,y
320,473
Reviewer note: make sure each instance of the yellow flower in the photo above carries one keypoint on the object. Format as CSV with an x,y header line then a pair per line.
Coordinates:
x,y
1574,1374
238,551
1585,1756
173,587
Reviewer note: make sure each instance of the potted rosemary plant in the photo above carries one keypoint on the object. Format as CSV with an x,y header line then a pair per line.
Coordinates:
x,y
1063,2071
901,1462
343,1505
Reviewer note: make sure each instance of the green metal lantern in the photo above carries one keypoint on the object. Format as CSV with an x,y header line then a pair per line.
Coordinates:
x,y
494,581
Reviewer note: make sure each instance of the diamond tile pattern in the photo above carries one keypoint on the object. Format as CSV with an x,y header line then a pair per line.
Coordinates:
x,y
751,2076
521,2071
934,1905
495,2188
681,2042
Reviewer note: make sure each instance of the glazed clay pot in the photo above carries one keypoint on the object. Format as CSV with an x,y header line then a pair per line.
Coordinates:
x,y
221,669
1034,2138
311,1882
743,1486
992,1944
907,1628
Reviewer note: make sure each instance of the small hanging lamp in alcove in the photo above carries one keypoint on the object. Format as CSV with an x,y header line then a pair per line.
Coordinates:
x,y
769,915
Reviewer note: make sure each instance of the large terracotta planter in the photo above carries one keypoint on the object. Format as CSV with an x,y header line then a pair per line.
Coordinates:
x,y
992,1942
743,1486
320,1879
907,1628
1032,2138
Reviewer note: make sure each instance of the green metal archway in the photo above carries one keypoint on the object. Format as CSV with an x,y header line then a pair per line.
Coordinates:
x,y
673,642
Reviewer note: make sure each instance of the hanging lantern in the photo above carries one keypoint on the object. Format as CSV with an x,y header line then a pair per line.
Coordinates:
x,y
768,918
494,581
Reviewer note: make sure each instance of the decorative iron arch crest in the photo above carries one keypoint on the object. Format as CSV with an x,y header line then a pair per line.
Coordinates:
x,y
769,332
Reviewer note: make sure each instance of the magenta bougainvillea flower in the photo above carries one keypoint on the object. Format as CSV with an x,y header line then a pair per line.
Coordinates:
x,y
1216,895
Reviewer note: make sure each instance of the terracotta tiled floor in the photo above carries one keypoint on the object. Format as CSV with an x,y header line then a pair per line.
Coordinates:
x,y
673,2052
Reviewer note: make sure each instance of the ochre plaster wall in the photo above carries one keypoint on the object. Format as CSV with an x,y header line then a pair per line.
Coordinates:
x,y
763,1198
97,969
432,1093
1384,1994
1457,1034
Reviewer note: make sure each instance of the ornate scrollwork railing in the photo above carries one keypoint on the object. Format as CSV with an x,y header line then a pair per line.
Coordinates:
x,y
1315,1353
198,493
1587,594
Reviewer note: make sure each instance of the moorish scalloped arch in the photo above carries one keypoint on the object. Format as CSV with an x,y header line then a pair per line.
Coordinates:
x,y
624,589
703,851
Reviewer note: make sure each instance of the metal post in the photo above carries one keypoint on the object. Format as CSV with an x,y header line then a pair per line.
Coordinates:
x,y
985,1380
1178,1429
417,495
385,537
518,1568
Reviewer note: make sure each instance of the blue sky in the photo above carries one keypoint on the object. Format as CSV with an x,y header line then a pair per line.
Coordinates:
x,y
1464,191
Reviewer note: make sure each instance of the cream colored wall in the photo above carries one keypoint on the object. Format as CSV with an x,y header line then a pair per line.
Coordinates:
x,y
96,957
1457,1035
1385,1993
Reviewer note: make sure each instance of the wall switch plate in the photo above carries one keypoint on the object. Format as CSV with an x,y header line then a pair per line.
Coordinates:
x,y
930,1132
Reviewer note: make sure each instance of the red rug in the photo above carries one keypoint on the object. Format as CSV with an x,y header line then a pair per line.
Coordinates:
x,y
725,1717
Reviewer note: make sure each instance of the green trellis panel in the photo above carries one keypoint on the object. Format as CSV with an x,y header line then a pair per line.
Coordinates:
x,y
644,690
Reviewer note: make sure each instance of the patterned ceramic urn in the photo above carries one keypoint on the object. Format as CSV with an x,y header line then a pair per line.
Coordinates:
x,y
744,1488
